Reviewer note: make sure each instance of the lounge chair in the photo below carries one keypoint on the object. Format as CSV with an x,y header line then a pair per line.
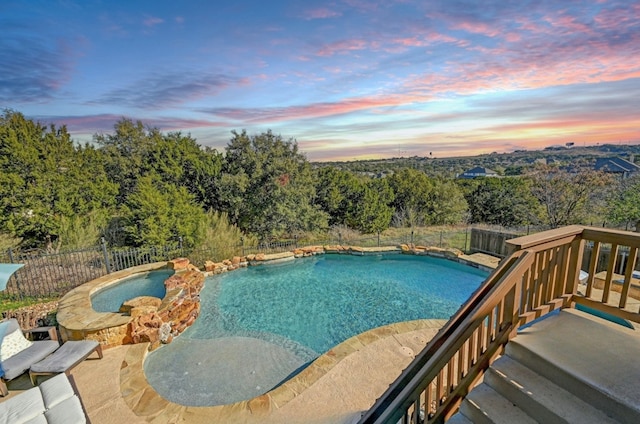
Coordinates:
x,y
21,352
64,359
53,402
45,357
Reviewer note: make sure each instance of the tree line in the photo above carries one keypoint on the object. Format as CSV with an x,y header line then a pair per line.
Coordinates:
x,y
139,186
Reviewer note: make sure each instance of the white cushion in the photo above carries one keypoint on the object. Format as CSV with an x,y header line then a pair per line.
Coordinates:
x,y
40,419
55,390
69,411
12,344
22,408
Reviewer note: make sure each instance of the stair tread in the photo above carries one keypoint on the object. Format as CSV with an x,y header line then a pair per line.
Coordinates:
x,y
541,392
458,418
493,407
597,352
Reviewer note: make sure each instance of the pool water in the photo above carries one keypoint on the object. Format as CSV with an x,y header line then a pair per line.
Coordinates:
x,y
150,283
260,325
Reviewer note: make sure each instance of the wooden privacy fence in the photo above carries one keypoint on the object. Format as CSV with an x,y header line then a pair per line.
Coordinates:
x,y
490,241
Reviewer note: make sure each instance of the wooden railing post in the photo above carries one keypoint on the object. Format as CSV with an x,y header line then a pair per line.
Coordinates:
x,y
575,265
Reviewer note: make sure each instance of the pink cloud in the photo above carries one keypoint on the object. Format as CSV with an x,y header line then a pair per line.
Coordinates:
x,y
567,23
414,38
320,13
315,110
152,21
478,28
526,24
513,37
333,69
564,53
619,18
342,47
410,42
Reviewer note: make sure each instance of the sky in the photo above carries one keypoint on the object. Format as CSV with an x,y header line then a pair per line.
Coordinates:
x,y
347,79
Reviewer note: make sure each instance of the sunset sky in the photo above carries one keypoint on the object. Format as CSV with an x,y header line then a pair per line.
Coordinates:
x,y
348,79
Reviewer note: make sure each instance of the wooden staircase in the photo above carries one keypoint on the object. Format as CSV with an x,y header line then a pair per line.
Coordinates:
x,y
567,367
570,367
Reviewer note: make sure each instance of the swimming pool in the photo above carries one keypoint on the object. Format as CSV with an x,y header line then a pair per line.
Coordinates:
x,y
260,325
112,297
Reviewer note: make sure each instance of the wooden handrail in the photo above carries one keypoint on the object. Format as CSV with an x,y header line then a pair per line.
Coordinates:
x,y
535,240
605,235
399,396
540,275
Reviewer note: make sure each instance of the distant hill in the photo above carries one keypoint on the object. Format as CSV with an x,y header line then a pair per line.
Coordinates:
x,y
513,163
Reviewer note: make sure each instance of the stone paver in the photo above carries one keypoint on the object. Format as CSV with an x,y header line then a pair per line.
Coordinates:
x,y
334,388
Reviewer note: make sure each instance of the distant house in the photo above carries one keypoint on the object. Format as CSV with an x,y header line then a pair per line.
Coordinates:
x,y
618,166
478,172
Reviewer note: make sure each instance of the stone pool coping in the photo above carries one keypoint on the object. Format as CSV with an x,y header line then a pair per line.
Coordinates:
x,y
78,320
76,317
146,403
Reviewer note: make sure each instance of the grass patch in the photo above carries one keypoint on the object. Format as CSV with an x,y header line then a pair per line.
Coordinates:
x,y
437,236
8,304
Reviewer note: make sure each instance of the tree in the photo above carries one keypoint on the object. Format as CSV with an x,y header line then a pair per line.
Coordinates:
x,y
502,201
567,197
369,209
411,189
133,151
45,178
446,204
334,187
159,213
625,204
432,201
266,186
124,152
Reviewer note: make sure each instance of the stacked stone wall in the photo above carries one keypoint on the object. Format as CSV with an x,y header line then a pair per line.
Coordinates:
x,y
42,314
159,323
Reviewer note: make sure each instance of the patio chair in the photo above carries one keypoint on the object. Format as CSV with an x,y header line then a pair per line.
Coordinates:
x,y
54,402
17,354
45,357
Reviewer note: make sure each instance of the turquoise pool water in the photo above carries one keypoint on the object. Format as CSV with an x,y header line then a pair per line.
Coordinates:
x,y
260,325
146,284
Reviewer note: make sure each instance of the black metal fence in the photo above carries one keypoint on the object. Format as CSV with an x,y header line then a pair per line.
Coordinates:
x,y
50,275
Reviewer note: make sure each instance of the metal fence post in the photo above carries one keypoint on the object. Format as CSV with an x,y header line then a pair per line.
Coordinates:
x,y
242,244
180,244
440,238
103,242
412,237
295,240
15,276
466,238
378,238
340,239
